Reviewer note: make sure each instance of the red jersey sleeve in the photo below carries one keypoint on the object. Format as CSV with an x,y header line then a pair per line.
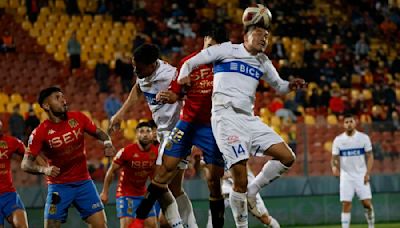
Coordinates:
x,y
35,142
175,87
88,124
20,147
120,157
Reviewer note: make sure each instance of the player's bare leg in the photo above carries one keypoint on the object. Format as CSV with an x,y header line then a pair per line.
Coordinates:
x,y
97,220
346,214
217,205
18,219
237,198
273,169
369,212
125,221
51,223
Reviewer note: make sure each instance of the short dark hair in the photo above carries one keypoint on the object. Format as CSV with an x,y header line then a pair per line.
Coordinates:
x,y
348,115
218,33
260,24
152,124
143,124
46,93
146,54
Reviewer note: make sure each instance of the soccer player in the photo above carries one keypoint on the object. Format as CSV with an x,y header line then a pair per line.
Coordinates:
x,y
237,71
11,207
155,75
137,164
352,155
193,129
61,140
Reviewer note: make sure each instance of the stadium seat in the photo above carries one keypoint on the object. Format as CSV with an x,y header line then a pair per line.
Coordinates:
x,y
332,119
309,120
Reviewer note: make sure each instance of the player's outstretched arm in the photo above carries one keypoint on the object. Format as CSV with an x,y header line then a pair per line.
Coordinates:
x,y
109,149
107,181
30,165
128,104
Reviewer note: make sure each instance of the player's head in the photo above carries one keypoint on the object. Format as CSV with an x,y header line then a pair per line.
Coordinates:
x,y
256,38
349,122
144,133
215,35
144,60
53,102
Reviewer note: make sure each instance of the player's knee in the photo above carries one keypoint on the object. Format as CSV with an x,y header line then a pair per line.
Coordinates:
x,y
346,206
214,185
240,185
176,190
289,158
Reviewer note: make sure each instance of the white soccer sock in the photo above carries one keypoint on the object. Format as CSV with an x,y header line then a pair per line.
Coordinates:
x,y
272,170
209,221
273,223
238,202
370,216
186,211
170,210
346,217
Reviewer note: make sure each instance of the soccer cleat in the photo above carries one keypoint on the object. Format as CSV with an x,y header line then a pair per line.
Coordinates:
x,y
137,223
252,206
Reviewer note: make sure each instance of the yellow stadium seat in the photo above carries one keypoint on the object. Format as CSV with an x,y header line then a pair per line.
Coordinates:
x,y
60,5
42,40
59,56
328,146
14,4
104,124
24,107
44,11
87,113
37,109
21,10
4,98
91,64
26,25
34,32
331,119
367,94
309,120
129,134
98,18
50,48
123,124
43,116
10,107
355,93
130,25
2,108
275,121
131,124
16,98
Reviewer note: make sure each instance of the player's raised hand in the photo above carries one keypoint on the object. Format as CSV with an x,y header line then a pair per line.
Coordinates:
x,y
104,197
52,171
297,83
167,97
115,123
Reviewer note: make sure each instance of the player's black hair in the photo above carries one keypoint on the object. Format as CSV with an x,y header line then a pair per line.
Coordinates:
x,y
152,124
146,54
259,24
348,115
46,93
143,124
218,33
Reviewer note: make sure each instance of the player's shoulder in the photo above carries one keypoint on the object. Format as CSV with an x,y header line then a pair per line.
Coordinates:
x,y
362,135
341,136
186,58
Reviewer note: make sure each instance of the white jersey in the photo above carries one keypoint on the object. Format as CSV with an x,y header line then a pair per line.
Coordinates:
x,y
236,74
164,115
351,150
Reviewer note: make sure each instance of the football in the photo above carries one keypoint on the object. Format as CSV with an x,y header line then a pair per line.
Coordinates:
x,y
257,14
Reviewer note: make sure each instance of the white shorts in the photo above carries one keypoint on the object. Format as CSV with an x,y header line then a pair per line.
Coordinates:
x,y
348,187
239,135
162,137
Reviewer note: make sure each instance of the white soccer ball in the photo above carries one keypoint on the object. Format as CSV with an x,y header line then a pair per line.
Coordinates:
x,y
257,14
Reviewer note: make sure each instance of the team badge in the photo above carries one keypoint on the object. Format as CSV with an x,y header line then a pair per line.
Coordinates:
x,y
72,123
3,145
53,209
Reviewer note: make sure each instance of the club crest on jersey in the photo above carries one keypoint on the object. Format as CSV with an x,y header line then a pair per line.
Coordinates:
x,y
72,123
3,145
152,155
52,209
51,131
135,155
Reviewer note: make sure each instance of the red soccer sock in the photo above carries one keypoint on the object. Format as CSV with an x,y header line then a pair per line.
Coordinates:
x,y
137,223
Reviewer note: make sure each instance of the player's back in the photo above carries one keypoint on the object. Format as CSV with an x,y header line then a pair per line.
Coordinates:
x,y
136,167
351,150
63,144
8,146
164,115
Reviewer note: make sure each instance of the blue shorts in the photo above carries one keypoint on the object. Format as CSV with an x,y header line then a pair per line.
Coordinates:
x,y
9,202
127,206
185,135
82,194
